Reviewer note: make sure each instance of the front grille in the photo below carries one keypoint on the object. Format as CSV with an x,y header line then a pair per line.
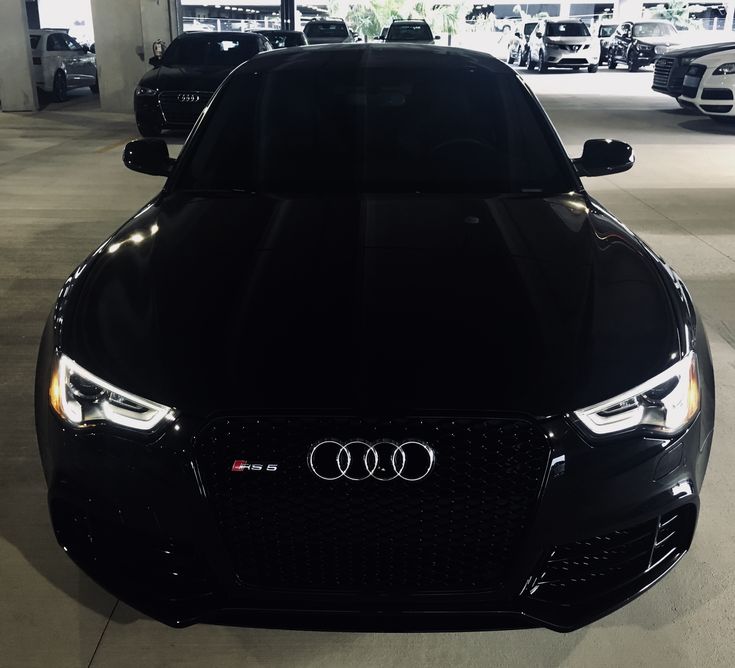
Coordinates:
x,y
587,569
573,61
456,530
183,107
662,71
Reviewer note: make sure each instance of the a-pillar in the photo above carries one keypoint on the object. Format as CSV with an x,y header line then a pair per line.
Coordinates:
x,y
124,32
17,85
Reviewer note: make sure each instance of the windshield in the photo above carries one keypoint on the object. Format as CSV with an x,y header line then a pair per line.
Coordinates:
x,y
341,129
529,28
208,50
653,30
572,29
325,30
409,32
606,31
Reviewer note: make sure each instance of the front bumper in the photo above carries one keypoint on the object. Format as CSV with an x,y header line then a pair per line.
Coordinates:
x,y
140,518
556,57
709,94
172,110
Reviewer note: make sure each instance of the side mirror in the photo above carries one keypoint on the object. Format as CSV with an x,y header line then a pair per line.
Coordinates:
x,y
604,156
149,156
155,61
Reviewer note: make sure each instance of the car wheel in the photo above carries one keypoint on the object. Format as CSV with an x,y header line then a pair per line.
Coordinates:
x,y
632,62
592,68
542,66
95,88
149,130
511,57
611,62
524,58
529,63
60,90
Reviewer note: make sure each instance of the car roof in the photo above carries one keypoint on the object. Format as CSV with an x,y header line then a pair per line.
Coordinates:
x,y
556,19
408,21
370,55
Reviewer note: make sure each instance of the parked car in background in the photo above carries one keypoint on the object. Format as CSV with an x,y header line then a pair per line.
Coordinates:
x,y
280,39
61,63
327,31
668,75
415,31
518,48
563,43
709,85
604,30
173,94
639,43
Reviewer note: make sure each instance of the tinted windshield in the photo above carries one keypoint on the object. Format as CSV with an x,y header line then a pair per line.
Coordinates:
x,y
352,130
409,32
653,30
573,29
325,30
606,31
210,50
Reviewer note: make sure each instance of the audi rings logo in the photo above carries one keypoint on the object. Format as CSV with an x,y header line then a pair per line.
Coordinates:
x,y
385,460
188,97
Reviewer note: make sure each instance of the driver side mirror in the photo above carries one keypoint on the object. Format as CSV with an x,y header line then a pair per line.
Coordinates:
x,y
148,156
601,157
155,61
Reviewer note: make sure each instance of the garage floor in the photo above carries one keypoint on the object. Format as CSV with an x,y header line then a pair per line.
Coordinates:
x,y
63,189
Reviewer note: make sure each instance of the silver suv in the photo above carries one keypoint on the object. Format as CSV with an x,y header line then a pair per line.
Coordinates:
x,y
563,43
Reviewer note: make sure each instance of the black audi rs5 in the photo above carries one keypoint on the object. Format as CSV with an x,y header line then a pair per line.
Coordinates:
x,y
419,380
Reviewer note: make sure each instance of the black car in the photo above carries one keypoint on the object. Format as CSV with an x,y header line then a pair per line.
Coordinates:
x,y
424,381
671,68
635,43
174,93
327,31
281,39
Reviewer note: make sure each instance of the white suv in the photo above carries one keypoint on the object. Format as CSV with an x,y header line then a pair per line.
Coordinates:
x,y
563,43
61,63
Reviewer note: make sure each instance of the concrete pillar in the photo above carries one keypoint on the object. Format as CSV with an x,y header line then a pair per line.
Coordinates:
x,y
730,15
288,15
17,84
124,32
564,9
629,10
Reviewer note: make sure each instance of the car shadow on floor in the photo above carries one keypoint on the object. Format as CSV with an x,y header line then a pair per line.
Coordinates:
x,y
708,126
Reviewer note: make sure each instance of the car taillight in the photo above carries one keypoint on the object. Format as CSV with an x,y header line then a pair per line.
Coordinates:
x,y
36,60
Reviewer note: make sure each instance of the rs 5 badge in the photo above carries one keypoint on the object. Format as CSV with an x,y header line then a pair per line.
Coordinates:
x,y
240,465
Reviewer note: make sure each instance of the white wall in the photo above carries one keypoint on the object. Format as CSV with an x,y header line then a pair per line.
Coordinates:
x,y
17,85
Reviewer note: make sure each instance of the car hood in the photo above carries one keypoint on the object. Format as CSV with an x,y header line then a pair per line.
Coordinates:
x,y
717,58
371,304
568,40
204,78
656,41
699,51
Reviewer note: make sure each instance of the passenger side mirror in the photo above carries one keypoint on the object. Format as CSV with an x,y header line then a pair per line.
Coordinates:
x,y
604,156
148,156
155,61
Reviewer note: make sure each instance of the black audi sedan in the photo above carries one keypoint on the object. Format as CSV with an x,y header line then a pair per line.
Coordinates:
x,y
174,93
424,381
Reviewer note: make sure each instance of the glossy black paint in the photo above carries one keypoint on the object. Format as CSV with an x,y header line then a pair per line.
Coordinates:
x,y
397,306
604,156
679,61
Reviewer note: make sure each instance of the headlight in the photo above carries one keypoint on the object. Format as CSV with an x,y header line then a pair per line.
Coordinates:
x,y
142,90
727,68
666,404
83,400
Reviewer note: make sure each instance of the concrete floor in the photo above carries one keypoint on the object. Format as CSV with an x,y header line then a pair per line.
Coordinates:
x,y
63,189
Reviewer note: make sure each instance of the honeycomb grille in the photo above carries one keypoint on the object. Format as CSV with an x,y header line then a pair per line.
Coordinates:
x,y
456,530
